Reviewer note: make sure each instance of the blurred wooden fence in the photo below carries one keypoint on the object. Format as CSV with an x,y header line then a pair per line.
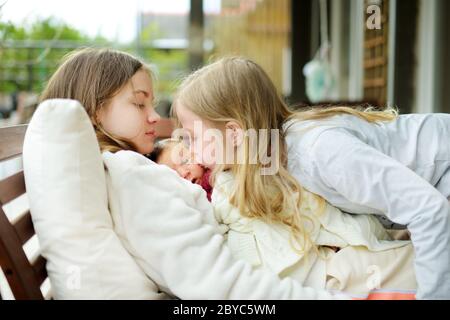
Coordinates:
x,y
258,30
376,46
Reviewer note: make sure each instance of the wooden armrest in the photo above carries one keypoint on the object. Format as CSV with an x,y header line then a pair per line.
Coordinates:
x,y
165,127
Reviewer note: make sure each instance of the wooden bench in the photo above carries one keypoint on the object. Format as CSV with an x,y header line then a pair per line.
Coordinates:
x,y
24,277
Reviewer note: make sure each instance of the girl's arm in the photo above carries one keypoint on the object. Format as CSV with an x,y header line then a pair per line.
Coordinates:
x,y
367,177
179,249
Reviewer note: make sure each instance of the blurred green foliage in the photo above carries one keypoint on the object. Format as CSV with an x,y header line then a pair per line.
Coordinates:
x,y
31,52
23,66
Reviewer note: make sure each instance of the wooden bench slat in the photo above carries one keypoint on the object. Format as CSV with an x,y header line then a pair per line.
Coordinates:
x,y
164,128
40,270
12,187
19,272
11,142
24,277
24,228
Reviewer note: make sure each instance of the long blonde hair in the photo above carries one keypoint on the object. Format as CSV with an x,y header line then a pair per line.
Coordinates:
x,y
93,76
238,89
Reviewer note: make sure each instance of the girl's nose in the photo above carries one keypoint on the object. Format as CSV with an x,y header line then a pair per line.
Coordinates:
x,y
153,116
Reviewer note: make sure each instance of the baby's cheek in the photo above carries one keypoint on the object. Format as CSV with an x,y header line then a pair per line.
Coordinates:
x,y
197,170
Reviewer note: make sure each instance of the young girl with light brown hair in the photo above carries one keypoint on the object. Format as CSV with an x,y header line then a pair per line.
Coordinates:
x,y
360,161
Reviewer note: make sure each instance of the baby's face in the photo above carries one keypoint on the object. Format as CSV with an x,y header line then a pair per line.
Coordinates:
x,y
178,157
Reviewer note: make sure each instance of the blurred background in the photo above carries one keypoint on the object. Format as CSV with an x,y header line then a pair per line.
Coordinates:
x,y
381,52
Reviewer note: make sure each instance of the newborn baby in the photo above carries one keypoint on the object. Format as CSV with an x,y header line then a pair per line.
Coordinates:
x,y
172,153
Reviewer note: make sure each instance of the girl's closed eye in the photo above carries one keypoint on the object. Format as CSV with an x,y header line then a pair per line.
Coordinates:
x,y
186,141
184,155
140,105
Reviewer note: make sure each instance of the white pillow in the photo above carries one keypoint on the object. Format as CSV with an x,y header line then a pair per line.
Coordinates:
x,y
66,186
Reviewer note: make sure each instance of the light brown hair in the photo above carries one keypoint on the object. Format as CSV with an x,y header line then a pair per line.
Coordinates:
x,y
93,76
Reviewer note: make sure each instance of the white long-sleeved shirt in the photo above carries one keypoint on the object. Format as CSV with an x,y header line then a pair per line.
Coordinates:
x,y
400,169
167,224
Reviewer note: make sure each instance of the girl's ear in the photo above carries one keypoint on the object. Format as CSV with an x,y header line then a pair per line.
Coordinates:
x,y
235,131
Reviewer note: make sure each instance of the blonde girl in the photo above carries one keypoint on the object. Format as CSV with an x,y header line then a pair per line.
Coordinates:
x,y
360,161
162,220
